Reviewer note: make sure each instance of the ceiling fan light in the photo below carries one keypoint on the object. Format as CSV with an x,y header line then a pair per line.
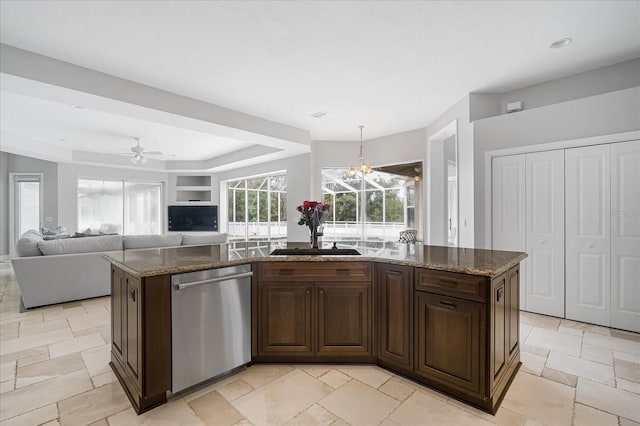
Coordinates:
x,y
134,159
352,171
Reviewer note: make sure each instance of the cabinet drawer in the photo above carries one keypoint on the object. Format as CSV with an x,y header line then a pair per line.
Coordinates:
x,y
315,271
471,287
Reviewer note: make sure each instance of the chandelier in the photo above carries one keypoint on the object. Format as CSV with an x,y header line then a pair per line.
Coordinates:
x,y
362,166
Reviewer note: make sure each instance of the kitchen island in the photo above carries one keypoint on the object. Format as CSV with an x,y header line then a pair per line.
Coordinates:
x,y
445,317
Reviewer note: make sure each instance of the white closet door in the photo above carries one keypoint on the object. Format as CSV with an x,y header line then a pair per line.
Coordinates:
x,y
508,209
625,235
588,228
545,232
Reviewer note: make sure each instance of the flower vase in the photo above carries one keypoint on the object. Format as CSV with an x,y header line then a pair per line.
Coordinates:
x,y
314,236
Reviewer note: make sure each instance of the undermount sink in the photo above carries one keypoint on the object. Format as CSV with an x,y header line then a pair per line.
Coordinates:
x,y
316,252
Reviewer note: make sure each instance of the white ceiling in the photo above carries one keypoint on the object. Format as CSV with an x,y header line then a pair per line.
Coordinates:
x,y
390,65
101,132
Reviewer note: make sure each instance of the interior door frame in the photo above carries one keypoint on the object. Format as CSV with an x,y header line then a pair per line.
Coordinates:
x,y
13,238
551,146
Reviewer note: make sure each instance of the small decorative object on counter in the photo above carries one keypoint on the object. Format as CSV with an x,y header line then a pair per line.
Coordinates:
x,y
409,236
312,215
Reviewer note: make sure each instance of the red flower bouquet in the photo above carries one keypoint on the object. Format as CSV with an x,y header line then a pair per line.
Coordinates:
x,y
312,215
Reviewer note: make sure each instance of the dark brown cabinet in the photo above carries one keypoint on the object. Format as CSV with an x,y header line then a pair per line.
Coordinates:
x,y
449,340
344,319
395,315
498,324
452,331
141,337
133,333
118,318
466,333
513,311
504,323
286,324
315,309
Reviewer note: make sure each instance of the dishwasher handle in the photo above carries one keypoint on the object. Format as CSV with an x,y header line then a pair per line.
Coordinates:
x,y
184,286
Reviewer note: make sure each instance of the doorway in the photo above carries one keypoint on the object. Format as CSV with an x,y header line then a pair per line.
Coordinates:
x,y
25,205
442,192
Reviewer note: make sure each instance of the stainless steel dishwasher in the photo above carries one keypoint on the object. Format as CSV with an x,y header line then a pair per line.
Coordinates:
x,y
210,324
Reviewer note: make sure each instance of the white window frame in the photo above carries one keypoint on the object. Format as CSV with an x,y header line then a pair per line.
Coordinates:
x,y
163,186
14,178
224,218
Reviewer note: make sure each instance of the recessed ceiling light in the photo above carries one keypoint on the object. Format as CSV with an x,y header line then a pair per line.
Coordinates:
x,y
560,43
318,114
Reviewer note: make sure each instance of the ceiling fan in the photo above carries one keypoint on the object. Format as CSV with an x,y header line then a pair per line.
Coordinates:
x,y
139,153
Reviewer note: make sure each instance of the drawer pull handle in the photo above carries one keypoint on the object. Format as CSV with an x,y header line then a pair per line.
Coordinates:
x,y
447,304
449,283
286,271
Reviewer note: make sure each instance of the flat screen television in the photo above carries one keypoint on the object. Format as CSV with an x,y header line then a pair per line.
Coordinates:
x,y
193,218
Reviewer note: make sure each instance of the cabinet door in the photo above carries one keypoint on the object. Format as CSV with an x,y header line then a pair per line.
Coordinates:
x,y
588,234
498,330
133,329
545,232
117,312
625,235
395,315
513,313
508,208
344,319
450,341
285,319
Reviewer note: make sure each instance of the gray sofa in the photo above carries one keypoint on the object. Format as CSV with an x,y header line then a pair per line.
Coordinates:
x,y
63,270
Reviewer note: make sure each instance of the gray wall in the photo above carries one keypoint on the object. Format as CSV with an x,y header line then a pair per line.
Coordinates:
x,y
603,114
12,163
4,205
404,147
460,112
298,175
612,78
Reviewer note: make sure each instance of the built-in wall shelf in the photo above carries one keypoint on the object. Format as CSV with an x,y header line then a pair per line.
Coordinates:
x,y
190,189
193,196
193,180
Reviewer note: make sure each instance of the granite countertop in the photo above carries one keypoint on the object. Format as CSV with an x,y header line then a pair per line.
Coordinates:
x,y
161,261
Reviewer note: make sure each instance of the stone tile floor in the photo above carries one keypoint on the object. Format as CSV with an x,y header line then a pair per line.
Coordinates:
x,y
53,370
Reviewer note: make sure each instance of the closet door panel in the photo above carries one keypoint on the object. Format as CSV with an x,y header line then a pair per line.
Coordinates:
x,y
545,232
508,209
625,235
588,239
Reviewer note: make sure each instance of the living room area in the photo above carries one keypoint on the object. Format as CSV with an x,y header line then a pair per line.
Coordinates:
x,y
150,127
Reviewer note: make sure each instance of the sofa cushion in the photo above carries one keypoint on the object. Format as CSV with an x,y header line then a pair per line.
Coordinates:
x,y
81,245
201,239
151,241
27,245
